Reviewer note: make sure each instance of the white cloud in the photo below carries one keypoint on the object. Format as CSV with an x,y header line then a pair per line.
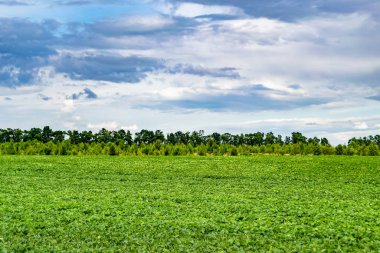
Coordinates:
x,y
69,106
360,125
147,22
344,136
107,125
70,125
194,10
134,23
279,53
330,57
132,128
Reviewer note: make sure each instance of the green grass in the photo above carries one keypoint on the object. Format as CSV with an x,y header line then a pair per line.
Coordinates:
x,y
189,204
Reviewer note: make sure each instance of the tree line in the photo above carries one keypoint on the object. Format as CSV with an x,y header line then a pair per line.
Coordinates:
x,y
195,138
45,141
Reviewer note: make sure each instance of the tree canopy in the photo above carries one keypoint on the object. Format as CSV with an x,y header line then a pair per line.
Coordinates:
x,y
48,141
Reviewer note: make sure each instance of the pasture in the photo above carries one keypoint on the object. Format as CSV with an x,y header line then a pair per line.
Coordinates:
x,y
189,204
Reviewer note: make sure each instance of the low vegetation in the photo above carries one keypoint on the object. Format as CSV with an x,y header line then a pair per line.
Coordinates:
x,y
48,142
189,204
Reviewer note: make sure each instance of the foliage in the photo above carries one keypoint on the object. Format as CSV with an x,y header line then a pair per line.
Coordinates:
x,y
159,148
48,142
189,204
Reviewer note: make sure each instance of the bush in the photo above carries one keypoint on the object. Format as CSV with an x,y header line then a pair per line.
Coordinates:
x,y
373,150
202,150
176,151
296,149
317,150
328,150
158,148
339,150
350,151
234,151
10,149
112,150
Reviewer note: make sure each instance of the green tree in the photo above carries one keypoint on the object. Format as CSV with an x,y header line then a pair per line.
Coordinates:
x,y
47,134
339,150
58,136
270,138
297,137
74,136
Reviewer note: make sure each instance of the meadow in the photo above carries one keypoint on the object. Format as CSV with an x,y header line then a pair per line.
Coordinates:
x,y
189,204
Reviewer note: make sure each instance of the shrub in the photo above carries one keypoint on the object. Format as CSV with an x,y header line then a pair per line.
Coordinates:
x,y
234,151
112,150
317,150
339,150
372,150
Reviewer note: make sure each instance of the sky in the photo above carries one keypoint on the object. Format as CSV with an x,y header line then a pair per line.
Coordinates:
x,y
221,66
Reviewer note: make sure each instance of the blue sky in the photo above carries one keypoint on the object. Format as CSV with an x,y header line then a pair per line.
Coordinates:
x,y
226,66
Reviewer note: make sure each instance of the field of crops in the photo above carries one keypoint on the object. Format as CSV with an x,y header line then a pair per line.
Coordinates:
x,y
189,204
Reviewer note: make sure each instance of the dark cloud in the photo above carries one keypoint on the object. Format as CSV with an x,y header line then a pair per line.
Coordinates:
x,y
25,30
86,93
239,103
24,47
218,17
202,71
11,76
279,9
87,2
256,87
13,3
44,97
108,68
89,94
376,97
155,27
295,86
137,32
290,10
130,69
253,98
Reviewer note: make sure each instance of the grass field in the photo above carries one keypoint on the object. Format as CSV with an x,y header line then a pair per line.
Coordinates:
x,y
189,204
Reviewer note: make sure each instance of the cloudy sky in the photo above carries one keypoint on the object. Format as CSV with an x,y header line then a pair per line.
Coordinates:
x,y
227,66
